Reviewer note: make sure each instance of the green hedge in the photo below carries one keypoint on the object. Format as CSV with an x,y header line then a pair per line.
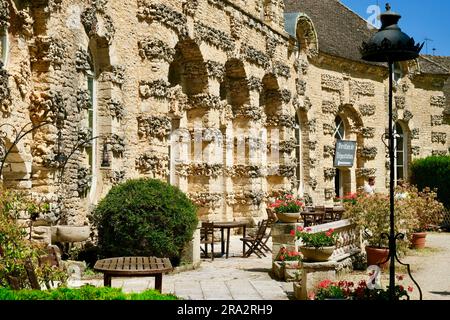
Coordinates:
x,y
84,293
433,172
145,217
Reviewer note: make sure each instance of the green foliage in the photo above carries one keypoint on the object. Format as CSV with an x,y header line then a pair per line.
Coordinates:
x,y
428,211
84,293
15,249
144,217
371,213
433,172
316,240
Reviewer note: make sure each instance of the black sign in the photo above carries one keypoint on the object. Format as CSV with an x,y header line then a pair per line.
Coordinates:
x,y
345,153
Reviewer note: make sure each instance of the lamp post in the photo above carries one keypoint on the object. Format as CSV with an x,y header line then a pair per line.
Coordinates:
x,y
390,45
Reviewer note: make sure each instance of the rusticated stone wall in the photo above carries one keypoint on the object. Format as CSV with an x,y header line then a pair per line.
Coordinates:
x,y
231,95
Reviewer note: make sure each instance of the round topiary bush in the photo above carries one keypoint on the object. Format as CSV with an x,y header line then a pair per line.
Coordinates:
x,y
144,217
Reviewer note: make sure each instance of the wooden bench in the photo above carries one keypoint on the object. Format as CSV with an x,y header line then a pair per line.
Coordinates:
x,y
134,267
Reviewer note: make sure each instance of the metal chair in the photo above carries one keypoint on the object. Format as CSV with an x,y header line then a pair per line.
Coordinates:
x,y
207,238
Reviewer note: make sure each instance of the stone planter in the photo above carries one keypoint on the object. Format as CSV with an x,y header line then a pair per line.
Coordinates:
x,y
292,271
70,233
376,256
288,217
286,271
317,254
418,240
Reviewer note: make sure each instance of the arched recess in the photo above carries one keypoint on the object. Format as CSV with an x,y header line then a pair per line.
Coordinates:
x,y
302,153
402,151
306,35
243,153
270,99
188,68
348,122
188,80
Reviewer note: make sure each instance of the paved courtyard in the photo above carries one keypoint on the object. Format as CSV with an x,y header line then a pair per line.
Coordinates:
x,y
240,278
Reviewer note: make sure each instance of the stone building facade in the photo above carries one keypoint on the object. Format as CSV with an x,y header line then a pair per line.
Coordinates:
x,y
230,100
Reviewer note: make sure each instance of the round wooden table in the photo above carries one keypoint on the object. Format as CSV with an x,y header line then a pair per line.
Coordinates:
x,y
229,225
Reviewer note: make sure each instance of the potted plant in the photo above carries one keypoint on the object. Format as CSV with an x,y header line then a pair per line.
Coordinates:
x,y
428,213
371,214
287,264
288,208
317,247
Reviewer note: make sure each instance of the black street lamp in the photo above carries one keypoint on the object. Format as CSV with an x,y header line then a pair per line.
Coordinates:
x,y
390,45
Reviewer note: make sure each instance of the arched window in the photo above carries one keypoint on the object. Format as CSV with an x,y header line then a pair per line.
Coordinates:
x,y
401,153
91,117
4,45
298,156
339,134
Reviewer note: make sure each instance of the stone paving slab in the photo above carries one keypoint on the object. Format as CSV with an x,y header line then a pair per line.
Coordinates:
x,y
240,278
235,278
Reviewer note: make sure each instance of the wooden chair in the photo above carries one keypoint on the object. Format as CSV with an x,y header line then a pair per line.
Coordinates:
x,y
329,215
207,238
272,219
255,243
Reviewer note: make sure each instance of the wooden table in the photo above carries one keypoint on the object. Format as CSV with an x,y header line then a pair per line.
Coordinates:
x,y
134,267
229,225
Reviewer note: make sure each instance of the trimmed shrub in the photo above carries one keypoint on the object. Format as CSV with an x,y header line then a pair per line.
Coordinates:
x,y
433,172
144,217
84,293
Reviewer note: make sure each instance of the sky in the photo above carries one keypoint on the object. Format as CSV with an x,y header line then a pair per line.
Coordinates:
x,y
420,20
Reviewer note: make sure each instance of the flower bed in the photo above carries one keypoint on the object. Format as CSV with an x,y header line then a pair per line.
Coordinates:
x,y
347,290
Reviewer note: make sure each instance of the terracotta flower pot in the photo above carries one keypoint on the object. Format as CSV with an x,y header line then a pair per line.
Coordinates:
x,y
317,254
376,256
418,240
288,217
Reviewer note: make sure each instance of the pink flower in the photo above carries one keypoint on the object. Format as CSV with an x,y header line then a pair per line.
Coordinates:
x,y
325,284
299,229
410,289
289,196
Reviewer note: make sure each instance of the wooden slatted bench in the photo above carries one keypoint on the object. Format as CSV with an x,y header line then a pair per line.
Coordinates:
x,y
134,267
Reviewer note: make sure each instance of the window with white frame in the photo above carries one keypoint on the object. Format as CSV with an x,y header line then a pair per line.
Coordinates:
x,y
339,132
4,45
401,153
91,124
